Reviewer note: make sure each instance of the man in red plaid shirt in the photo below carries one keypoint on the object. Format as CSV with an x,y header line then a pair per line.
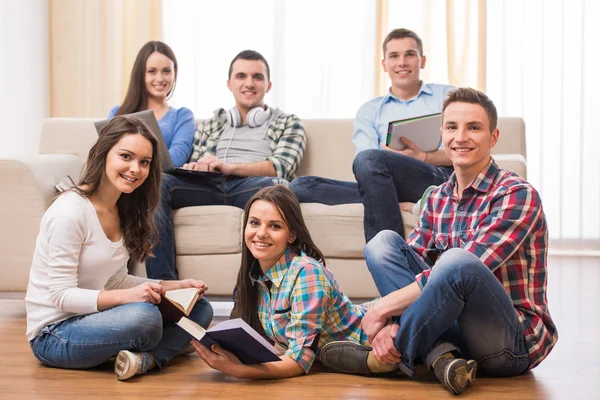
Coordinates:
x,y
468,287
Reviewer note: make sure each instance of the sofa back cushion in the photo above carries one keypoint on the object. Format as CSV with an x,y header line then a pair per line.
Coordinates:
x,y
329,150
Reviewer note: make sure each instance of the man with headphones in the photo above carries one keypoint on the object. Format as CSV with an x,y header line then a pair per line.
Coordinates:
x,y
241,150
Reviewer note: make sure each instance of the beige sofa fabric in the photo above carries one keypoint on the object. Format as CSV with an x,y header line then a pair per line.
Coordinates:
x,y
208,239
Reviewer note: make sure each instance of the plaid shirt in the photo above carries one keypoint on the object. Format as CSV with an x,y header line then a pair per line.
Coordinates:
x,y
285,132
304,309
499,219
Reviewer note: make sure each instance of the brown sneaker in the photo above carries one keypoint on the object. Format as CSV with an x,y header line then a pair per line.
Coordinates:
x,y
349,358
456,374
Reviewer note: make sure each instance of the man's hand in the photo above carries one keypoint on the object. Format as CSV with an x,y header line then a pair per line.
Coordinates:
x,y
411,149
211,163
383,345
373,322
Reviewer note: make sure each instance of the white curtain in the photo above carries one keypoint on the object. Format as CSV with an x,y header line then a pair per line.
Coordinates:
x,y
543,65
320,52
539,57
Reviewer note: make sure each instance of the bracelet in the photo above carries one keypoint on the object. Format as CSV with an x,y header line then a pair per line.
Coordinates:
x,y
425,159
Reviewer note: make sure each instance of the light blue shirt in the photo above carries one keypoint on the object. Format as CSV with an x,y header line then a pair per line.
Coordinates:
x,y
372,119
177,127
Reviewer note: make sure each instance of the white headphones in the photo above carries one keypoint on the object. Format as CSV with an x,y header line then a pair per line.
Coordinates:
x,y
256,117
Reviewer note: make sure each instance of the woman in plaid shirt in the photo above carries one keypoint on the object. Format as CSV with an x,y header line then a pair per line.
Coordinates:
x,y
285,292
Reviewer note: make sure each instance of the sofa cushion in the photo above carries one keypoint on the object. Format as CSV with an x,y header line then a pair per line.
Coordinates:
x,y
338,230
208,230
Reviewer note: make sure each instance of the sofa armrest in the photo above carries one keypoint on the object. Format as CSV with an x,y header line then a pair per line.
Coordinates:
x,y
27,191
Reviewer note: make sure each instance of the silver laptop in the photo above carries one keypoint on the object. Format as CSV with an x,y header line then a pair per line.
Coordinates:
x,y
150,121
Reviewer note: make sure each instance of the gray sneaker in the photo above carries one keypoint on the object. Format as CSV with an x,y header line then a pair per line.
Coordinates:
x,y
349,358
456,374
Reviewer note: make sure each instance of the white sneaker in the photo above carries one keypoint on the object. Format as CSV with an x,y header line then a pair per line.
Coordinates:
x,y
129,364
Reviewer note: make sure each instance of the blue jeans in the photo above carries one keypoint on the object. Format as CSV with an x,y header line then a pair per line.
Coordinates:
x,y
386,178
179,192
463,307
85,341
314,189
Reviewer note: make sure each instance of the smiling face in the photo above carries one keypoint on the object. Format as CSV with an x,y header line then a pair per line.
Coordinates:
x,y
127,164
249,83
266,234
403,63
160,75
467,138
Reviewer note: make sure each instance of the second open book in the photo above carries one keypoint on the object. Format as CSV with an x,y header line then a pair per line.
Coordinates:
x,y
235,336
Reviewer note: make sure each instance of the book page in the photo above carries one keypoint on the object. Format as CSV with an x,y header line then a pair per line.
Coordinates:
x,y
240,323
192,328
184,297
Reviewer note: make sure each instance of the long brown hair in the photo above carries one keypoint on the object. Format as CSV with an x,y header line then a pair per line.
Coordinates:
x,y
136,98
288,206
135,208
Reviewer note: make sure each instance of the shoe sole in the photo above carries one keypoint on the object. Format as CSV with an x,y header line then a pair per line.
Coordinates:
x,y
463,376
125,365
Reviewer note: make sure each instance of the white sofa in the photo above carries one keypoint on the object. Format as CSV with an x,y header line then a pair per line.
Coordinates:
x,y
208,239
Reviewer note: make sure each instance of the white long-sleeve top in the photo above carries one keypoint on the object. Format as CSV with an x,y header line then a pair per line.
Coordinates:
x,y
73,261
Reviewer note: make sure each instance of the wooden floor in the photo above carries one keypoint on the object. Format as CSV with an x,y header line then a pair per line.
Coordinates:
x,y
572,371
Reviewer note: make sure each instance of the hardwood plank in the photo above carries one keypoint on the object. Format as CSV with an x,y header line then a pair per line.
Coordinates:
x,y
571,371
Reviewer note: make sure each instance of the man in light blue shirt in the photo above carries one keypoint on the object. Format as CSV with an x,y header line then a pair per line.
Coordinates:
x,y
386,176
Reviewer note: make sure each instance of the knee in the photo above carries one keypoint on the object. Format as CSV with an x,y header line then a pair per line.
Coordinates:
x,y
385,244
202,313
301,186
145,320
459,260
365,161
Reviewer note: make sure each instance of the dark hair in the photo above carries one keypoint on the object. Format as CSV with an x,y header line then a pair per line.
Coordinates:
x,y
472,96
289,208
249,55
135,208
136,98
402,33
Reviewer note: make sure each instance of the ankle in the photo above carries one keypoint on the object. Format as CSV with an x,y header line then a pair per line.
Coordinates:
x,y
375,366
447,355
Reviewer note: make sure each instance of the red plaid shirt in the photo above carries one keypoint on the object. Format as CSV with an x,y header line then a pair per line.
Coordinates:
x,y
499,219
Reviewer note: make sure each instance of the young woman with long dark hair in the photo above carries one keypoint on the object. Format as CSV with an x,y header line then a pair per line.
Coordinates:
x,y
82,305
152,83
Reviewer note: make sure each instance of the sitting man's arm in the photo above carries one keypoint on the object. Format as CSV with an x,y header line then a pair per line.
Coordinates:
x,y
365,134
437,158
289,148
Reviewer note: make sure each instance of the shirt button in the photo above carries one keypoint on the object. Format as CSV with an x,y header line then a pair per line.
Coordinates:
x,y
461,208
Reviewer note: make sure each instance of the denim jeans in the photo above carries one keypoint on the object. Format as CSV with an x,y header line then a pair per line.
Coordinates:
x,y
85,341
314,189
463,306
179,192
386,178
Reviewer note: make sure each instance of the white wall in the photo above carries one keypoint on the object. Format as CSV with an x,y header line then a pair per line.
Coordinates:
x,y
24,74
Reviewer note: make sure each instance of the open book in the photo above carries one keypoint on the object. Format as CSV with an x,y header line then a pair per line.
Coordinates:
x,y
424,131
178,303
235,336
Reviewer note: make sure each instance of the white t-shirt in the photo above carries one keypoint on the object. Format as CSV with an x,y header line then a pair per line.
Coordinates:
x,y
72,262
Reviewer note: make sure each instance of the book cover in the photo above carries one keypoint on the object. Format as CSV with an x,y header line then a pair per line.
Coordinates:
x,y
177,303
235,336
423,130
